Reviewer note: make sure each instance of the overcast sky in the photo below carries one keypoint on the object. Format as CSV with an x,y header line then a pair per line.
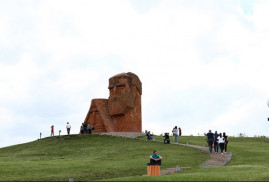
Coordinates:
x,y
203,64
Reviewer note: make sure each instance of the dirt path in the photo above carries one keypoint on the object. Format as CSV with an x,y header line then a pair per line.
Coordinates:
x,y
216,159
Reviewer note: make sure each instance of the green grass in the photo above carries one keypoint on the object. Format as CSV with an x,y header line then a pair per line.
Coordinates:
x,y
95,157
250,162
89,157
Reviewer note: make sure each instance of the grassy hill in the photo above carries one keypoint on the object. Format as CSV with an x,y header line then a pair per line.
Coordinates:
x,y
97,157
89,157
250,162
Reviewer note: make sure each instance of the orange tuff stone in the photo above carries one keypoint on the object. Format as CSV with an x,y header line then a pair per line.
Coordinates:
x,y
121,112
153,170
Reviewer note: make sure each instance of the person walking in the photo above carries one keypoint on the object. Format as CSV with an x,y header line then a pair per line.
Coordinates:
x,y
179,131
210,138
216,144
68,128
221,143
225,141
52,130
175,132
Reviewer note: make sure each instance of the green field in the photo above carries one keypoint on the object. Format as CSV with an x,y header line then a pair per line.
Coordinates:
x,y
250,162
88,157
95,157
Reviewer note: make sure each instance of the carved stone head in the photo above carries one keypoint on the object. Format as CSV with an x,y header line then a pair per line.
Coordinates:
x,y
123,88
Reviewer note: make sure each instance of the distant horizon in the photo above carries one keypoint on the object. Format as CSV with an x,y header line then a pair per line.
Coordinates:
x,y
159,134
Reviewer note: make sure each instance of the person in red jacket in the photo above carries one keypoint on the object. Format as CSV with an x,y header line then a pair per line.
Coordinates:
x,y
52,130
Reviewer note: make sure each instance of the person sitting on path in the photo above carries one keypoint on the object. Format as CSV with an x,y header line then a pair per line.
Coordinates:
x,y
216,144
225,142
149,136
155,159
221,142
52,130
210,138
166,138
68,128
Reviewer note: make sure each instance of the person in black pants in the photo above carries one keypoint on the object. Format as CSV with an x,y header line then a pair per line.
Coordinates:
x,y
149,136
225,141
221,142
155,159
166,138
89,128
216,144
210,138
85,128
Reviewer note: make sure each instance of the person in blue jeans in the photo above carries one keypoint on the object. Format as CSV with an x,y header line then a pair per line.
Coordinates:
x,y
216,143
175,133
149,136
155,159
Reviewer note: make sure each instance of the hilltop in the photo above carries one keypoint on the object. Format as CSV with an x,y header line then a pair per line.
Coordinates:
x,y
100,157
88,157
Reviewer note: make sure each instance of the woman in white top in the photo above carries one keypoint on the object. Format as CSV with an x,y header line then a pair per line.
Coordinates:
x,y
221,142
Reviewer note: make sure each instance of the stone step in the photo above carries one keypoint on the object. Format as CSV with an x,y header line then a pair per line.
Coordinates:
x,y
99,128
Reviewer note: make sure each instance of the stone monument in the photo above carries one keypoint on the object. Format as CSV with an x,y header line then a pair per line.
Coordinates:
x,y
121,112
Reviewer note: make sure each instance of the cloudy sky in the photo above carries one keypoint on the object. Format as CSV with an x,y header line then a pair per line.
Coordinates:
x,y
203,64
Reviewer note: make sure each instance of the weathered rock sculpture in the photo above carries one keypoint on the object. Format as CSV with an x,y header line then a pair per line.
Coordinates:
x,y
121,112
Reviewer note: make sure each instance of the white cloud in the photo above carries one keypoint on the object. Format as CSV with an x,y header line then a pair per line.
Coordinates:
x,y
7,118
56,56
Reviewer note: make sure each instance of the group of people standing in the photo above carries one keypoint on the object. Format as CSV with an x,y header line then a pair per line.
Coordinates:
x,y
86,129
68,128
176,132
217,140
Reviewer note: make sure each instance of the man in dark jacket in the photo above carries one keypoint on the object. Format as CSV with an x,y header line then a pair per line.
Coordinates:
x,y
210,138
216,143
